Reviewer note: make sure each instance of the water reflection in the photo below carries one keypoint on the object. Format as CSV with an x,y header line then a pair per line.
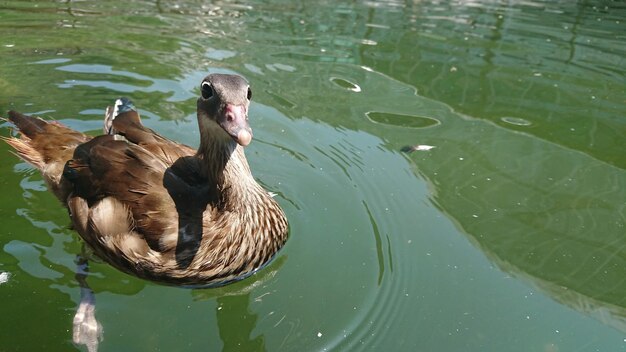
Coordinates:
x,y
550,215
556,65
86,329
232,311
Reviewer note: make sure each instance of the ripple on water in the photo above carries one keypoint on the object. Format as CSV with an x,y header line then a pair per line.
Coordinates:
x,y
344,83
401,120
353,177
515,121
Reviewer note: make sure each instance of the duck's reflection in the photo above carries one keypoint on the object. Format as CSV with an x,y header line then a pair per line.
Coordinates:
x,y
87,330
234,311
235,320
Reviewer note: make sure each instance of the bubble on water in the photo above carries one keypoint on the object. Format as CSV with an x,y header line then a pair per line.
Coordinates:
x,y
4,277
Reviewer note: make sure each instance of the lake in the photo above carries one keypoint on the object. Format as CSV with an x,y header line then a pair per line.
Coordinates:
x,y
454,173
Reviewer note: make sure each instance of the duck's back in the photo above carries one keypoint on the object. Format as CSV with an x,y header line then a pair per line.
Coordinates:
x,y
147,183
126,191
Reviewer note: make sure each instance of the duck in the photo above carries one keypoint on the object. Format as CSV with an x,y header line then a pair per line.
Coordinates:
x,y
155,208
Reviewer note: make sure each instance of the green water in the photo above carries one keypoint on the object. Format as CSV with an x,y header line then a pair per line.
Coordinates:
x,y
507,235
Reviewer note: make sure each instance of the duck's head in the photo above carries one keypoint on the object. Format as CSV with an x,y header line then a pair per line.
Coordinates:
x,y
223,106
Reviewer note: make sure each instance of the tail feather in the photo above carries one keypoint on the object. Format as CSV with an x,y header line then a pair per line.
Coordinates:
x,y
29,128
25,151
47,145
27,125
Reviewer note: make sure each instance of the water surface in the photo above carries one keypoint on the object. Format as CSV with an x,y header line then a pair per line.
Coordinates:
x,y
499,228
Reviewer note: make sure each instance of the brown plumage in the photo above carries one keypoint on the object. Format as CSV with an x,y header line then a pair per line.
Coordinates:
x,y
158,209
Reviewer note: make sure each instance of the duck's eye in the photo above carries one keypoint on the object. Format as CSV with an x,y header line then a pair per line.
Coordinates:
x,y
249,93
207,91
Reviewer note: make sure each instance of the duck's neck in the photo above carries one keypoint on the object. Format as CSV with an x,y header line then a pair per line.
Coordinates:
x,y
247,216
224,164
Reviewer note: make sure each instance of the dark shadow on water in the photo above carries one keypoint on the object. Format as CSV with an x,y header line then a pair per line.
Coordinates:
x,y
379,244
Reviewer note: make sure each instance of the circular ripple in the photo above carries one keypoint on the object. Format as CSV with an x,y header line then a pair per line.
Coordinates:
x,y
516,121
411,121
